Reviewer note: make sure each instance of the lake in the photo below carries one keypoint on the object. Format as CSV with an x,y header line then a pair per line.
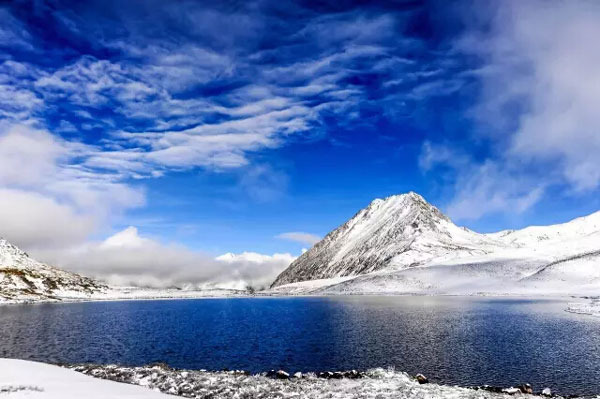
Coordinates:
x,y
452,340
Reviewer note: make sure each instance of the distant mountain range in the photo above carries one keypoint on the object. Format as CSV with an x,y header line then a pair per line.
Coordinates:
x,y
404,245
25,279
398,245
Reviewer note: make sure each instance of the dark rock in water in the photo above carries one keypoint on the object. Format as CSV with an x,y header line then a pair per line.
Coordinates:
x,y
525,388
282,375
271,374
353,374
421,379
489,388
338,375
279,374
325,374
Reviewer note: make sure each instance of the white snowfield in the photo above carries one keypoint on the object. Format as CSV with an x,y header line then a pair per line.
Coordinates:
x,y
404,245
25,379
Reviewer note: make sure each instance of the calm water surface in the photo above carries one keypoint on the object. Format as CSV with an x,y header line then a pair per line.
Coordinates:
x,y
453,340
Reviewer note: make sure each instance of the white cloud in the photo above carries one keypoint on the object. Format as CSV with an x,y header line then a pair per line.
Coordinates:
x,y
33,220
263,183
126,258
56,194
301,237
487,188
147,103
544,55
482,188
255,269
49,197
538,109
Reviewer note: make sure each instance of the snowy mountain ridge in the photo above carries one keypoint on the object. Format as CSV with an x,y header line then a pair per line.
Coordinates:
x,y
25,279
403,244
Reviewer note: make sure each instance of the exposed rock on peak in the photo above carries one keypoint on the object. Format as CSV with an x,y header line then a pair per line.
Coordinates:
x,y
402,244
400,231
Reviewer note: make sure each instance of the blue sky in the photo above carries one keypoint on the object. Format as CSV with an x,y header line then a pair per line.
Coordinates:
x,y
221,126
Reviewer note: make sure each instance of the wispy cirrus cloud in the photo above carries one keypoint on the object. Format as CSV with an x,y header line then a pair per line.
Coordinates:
x,y
300,237
111,99
181,101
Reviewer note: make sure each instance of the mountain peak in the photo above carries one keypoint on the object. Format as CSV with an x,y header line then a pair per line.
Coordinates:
x,y
410,202
380,235
11,255
406,197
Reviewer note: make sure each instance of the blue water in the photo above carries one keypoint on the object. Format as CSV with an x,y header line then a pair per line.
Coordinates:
x,y
453,340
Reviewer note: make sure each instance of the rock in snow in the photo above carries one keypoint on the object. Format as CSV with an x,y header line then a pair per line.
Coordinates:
x,y
376,383
403,245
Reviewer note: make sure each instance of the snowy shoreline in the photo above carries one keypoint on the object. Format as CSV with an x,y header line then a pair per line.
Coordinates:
x,y
225,294
132,294
590,308
27,379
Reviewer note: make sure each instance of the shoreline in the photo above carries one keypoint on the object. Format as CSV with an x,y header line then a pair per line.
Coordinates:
x,y
592,299
111,381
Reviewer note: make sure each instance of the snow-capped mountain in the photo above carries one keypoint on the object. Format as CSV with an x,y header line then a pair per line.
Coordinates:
x,y
402,244
25,279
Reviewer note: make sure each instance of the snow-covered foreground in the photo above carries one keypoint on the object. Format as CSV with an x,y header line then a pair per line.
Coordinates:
x,y
24,379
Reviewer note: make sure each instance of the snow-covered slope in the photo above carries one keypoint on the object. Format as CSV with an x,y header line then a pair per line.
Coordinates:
x,y
402,244
399,232
25,279
25,379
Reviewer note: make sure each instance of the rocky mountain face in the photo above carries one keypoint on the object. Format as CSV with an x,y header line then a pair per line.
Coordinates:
x,y
403,244
24,279
398,232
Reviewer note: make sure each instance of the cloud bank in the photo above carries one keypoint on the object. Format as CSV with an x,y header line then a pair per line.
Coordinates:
x,y
128,259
